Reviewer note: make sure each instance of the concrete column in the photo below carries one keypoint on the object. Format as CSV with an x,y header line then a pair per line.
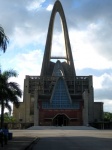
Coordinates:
x,y
85,110
91,101
36,109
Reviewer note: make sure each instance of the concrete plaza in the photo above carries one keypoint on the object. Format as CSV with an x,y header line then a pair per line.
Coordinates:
x,y
57,138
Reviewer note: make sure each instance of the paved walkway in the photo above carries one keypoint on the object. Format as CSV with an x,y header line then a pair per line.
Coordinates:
x,y
23,138
19,143
61,128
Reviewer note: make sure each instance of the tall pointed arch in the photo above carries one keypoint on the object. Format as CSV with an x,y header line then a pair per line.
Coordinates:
x,y
47,54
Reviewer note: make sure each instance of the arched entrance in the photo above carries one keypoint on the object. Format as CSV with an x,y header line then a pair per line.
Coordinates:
x,y
61,120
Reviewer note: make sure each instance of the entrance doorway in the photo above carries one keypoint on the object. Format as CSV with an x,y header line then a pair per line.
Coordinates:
x,y
61,120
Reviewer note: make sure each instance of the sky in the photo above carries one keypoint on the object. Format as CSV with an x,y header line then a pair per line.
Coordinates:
x,y
90,31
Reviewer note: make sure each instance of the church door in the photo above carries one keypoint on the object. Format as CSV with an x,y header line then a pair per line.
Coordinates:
x,y
60,120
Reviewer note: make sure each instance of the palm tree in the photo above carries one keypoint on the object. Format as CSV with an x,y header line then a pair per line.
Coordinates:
x,y
9,92
3,40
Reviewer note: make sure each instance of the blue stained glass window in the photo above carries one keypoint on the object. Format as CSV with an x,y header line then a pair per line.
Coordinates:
x,y
60,98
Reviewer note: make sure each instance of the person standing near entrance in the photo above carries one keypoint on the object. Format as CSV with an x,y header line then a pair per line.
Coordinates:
x,y
1,137
5,132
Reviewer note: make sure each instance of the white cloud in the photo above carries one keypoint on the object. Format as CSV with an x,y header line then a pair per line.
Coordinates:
x,y
58,45
27,64
85,53
103,90
97,82
34,4
103,81
28,36
49,8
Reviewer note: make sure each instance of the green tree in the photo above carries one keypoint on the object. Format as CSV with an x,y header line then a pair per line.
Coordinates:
x,y
107,116
3,40
9,92
8,118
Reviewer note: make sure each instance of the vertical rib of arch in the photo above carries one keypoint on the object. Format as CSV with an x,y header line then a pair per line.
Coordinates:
x,y
47,54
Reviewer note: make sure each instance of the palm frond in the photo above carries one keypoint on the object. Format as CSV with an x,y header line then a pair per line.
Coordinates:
x,y
15,88
9,92
8,106
10,73
3,40
16,102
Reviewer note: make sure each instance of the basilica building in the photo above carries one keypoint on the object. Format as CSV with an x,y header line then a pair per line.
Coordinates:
x,y
58,97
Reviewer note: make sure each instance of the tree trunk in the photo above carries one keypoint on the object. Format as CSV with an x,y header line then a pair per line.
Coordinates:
x,y
2,113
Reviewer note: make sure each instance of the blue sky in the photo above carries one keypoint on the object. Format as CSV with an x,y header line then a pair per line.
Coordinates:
x,y
90,31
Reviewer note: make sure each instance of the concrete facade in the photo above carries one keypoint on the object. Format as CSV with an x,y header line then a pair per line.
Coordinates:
x,y
58,97
98,109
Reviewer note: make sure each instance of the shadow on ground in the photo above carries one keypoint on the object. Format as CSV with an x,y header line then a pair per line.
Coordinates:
x,y
18,143
76,143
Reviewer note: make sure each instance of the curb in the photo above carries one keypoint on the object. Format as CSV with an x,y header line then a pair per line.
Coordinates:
x,y
33,142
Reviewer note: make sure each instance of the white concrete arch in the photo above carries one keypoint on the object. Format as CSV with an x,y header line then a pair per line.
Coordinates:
x,y
47,54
